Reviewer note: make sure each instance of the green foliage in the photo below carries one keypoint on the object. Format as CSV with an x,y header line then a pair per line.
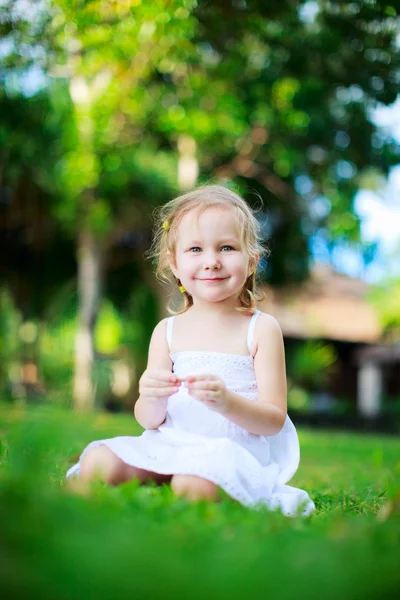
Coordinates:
x,y
141,542
298,398
311,363
274,99
56,357
121,334
385,297
108,329
271,93
10,322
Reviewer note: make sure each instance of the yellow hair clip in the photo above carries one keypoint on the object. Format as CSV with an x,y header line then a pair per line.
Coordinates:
x,y
165,225
182,289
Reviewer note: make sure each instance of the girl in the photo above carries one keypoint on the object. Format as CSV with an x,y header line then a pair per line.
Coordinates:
x,y
213,397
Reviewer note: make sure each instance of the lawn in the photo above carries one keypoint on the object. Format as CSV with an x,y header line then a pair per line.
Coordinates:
x,y
141,542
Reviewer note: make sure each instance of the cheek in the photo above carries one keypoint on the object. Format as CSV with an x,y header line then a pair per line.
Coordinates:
x,y
238,265
186,266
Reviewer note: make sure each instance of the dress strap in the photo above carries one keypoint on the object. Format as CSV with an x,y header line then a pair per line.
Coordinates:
x,y
170,324
250,333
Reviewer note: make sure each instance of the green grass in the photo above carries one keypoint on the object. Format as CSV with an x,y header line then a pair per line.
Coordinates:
x,y
141,542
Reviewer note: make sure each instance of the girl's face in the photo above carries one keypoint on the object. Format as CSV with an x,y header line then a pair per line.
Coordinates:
x,y
209,259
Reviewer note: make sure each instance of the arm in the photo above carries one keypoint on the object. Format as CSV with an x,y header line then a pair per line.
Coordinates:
x,y
267,416
156,383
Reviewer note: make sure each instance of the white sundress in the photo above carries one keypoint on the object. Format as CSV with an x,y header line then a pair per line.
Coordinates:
x,y
195,440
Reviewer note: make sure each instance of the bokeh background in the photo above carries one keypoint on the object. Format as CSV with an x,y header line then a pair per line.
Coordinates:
x,y
109,108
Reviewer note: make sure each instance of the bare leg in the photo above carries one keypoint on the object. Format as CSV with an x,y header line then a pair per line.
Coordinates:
x,y
194,488
101,463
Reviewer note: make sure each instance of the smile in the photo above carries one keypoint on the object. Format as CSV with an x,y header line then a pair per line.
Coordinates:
x,y
214,279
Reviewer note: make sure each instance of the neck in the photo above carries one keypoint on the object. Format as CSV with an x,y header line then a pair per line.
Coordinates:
x,y
218,309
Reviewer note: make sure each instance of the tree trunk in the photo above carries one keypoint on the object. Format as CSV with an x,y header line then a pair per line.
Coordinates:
x,y
90,269
188,165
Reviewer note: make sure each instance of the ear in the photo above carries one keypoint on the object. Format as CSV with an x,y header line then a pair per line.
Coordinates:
x,y
172,263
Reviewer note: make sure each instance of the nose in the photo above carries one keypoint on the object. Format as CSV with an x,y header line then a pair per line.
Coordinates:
x,y
211,261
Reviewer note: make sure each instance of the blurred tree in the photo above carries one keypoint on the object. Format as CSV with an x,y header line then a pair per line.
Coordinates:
x,y
385,297
312,363
143,96
36,258
307,76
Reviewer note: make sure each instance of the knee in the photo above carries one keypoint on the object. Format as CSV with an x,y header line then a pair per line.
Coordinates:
x,y
100,463
193,487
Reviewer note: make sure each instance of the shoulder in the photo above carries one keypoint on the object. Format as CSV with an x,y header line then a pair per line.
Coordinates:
x,y
267,323
160,332
161,327
267,331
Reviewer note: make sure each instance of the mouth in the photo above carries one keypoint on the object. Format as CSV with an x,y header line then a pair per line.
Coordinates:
x,y
213,279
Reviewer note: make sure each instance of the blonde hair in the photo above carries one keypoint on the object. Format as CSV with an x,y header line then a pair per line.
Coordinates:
x,y
168,218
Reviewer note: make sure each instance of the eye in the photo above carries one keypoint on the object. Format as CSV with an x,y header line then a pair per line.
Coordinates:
x,y
229,247
194,249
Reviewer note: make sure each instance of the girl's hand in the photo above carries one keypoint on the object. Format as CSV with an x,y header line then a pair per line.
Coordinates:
x,y
211,391
157,385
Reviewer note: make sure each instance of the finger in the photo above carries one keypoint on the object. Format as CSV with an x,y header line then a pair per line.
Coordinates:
x,y
163,376
159,392
202,385
150,381
205,377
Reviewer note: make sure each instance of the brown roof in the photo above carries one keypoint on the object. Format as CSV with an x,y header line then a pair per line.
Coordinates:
x,y
329,305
